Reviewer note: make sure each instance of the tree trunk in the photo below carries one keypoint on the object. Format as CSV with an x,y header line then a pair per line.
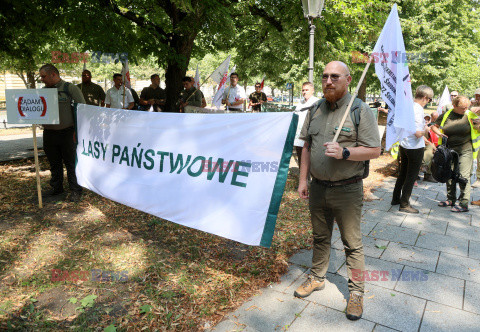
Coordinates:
x,y
176,70
31,80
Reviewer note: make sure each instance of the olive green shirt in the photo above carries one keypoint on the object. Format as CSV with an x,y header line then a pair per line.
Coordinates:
x,y
457,128
195,100
322,130
93,93
65,108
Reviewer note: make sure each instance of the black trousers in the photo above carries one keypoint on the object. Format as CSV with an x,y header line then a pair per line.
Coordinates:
x,y
60,149
410,162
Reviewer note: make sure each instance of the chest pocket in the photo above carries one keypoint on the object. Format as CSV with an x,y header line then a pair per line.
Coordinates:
x,y
347,135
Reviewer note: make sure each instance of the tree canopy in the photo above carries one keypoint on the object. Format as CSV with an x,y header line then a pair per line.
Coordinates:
x,y
268,37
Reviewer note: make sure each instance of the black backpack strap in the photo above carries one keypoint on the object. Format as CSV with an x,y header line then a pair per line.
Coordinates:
x,y
313,109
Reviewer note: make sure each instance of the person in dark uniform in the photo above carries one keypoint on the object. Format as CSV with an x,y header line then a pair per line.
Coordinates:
x,y
190,95
153,96
93,93
336,191
257,98
58,140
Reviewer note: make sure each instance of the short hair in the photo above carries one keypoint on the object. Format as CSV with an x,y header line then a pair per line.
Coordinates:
x,y
49,68
461,100
310,84
423,91
234,73
87,71
258,85
153,76
116,75
187,79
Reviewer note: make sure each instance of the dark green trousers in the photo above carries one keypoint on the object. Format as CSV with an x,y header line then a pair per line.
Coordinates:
x,y
342,204
465,161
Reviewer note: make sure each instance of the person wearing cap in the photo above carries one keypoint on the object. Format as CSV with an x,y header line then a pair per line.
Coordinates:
x,y
431,142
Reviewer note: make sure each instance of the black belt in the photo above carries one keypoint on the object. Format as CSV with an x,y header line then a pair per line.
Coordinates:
x,y
338,183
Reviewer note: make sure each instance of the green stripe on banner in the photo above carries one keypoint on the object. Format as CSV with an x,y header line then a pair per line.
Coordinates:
x,y
75,130
279,186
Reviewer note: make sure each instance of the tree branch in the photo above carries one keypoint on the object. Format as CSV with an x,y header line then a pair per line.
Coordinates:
x,y
254,10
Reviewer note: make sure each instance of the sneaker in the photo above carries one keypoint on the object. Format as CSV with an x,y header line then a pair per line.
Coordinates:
x,y
429,178
408,209
309,286
355,306
477,202
75,196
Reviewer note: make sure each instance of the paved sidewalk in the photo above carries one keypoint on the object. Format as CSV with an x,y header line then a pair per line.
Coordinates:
x,y
13,147
437,244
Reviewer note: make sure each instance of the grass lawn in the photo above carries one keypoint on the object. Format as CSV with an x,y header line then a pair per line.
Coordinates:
x,y
147,273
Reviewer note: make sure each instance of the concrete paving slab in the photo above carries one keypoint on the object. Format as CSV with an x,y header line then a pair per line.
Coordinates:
x,y
382,328
367,226
393,309
382,204
384,217
294,273
444,213
474,249
266,312
472,297
304,258
335,294
439,317
379,265
376,194
371,247
422,223
394,233
459,267
463,231
443,243
431,286
319,318
421,258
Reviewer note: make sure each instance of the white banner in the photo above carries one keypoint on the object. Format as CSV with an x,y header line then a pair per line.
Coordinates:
x,y
219,173
391,67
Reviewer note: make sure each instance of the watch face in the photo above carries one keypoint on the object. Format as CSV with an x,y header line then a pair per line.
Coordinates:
x,y
346,153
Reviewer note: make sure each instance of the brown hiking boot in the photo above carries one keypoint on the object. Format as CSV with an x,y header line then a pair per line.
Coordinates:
x,y
408,209
355,306
309,286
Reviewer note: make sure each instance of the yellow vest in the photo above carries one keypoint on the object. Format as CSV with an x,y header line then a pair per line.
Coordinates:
x,y
475,133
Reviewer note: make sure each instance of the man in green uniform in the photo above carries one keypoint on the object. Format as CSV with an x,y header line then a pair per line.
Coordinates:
x,y
257,98
336,191
58,139
93,93
190,95
153,96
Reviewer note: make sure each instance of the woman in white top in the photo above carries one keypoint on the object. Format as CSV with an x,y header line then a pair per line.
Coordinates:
x,y
411,153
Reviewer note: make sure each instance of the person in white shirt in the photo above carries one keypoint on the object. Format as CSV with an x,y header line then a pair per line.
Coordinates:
x,y
118,96
234,95
411,153
309,99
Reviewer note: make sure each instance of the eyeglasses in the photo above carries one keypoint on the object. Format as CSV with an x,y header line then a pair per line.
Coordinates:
x,y
333,77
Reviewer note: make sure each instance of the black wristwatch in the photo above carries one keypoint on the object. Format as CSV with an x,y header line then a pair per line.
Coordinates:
x,y
345,154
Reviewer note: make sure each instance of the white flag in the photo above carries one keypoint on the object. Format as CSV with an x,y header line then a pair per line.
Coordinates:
x,y
444,100
126,74
218,73
217,99
197,79
391,67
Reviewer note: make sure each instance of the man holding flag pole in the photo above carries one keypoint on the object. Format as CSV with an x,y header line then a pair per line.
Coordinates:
x,y
338,167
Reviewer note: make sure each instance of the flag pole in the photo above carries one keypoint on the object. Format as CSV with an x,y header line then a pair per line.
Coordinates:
x,y
351,101
37,166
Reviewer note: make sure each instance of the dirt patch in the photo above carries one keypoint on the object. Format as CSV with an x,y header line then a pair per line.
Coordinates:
x,y
56,303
